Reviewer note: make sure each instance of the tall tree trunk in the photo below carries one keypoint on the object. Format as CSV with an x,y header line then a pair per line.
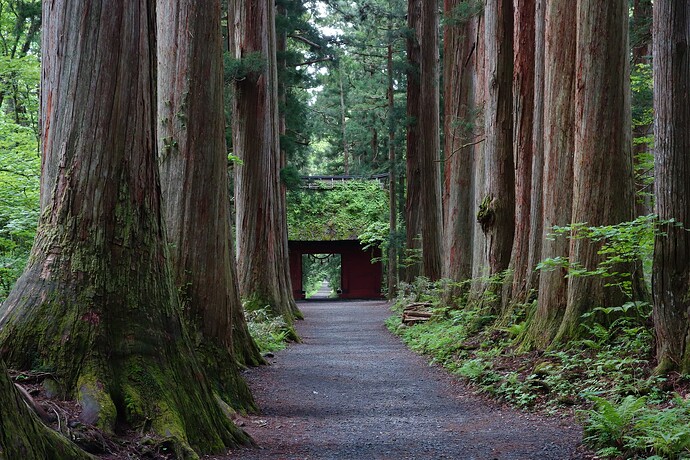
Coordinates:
x,y
261,230
392,178
413,210
194,183
480,258
497,209
515,288
429,142
537,196
460,120
97,303
559,146
671,279
603,192
23,436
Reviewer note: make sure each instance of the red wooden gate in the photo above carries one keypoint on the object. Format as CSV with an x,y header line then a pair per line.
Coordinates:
x,y
360,278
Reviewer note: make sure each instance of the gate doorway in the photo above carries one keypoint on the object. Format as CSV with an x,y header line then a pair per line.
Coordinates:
x,y
359,277
321,275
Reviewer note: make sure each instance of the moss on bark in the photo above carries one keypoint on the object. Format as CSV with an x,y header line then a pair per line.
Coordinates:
x,y
23,436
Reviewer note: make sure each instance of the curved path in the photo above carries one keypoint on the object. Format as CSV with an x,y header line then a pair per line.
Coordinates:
x,y
351,390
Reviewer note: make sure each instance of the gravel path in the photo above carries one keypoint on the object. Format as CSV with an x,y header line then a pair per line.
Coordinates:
x,y
351,390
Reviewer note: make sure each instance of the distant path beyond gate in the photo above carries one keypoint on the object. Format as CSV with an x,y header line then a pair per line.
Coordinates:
x,y
351,390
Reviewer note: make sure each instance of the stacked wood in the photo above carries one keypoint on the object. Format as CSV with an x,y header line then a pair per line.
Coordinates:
x,y
416,313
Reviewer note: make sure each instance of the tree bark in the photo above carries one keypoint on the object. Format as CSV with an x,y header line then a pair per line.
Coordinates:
x,y
480,258
96,303
460,133
602,166
537,197
263,265
515,288
429,142
194,183
559,145
671,278
497,208
23,436
413,198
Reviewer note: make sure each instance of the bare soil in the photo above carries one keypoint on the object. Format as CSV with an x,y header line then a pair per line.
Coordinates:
x,y
351,390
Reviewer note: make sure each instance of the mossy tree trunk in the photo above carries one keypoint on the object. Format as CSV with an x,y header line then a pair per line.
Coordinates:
x,y
461,134
97,303
559,145
194,183
671,279
23,436
602,166
480,257
263,265
497,207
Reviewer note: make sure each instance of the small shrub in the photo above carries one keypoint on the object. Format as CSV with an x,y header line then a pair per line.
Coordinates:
x,y
269,332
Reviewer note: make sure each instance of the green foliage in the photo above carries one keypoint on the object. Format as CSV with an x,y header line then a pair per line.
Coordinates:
x,y
19,205
641,82
269,332
238,69
342,212
350,108
634,428
290,177
610,424
19,157
621,244
463,12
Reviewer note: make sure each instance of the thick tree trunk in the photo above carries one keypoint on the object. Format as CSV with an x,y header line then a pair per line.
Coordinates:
x,y
480,258
537,197
497,209
263,265
429,142
413,210
603,192
515,288
460,120
671,280
194,182
23,436
559,145
97,303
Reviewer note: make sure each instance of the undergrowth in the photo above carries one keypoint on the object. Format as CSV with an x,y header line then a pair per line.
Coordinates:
x,y
605,380
269,332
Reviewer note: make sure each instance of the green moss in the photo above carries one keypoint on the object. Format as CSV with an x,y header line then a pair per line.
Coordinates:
x,y
343,211
97,406
486,213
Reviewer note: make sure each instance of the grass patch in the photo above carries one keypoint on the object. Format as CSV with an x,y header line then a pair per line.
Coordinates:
x,y
269,332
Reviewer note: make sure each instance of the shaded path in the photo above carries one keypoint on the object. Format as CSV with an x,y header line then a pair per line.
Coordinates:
x,y
353,391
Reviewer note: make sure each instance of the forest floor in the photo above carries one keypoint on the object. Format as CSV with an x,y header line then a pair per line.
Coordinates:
x,y
351,390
